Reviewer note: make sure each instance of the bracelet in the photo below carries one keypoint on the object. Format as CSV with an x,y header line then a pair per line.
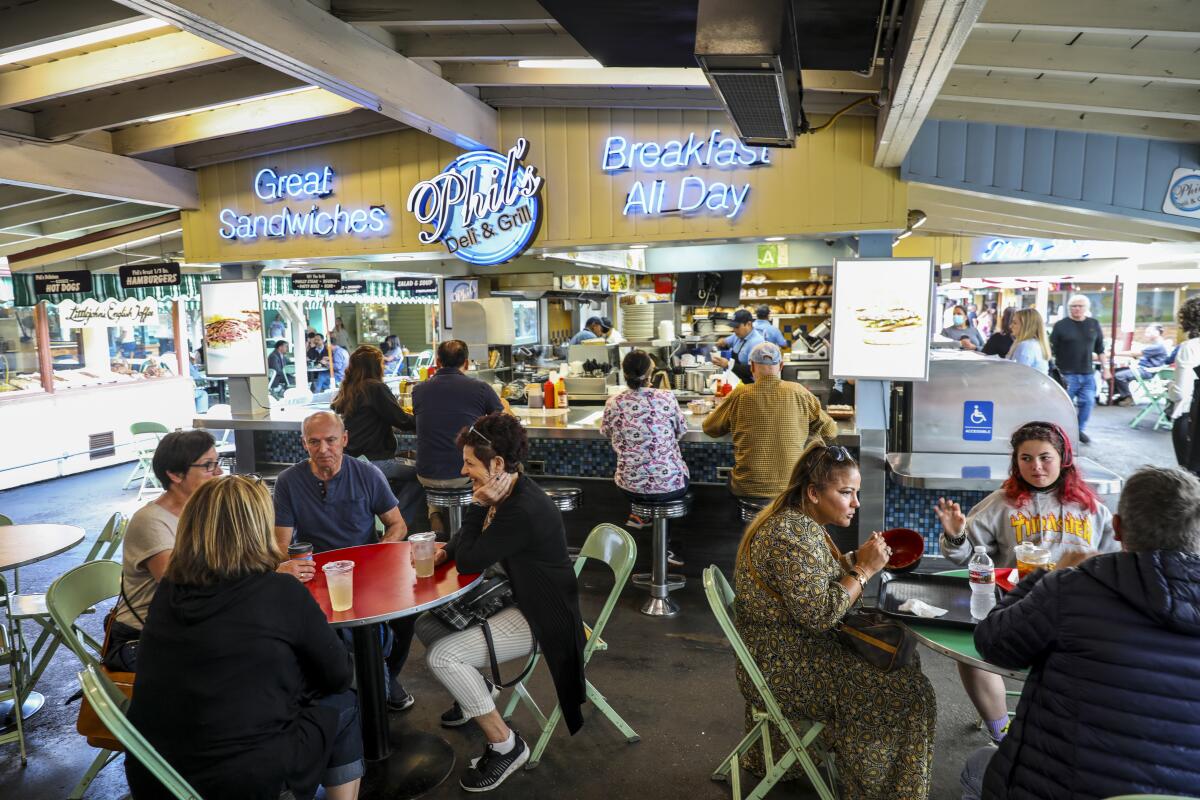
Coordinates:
x,y
957,540
858,576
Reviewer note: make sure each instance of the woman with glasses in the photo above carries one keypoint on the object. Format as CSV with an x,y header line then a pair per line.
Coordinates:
x,y
1044,501
182,462
242,685
514,524
793,589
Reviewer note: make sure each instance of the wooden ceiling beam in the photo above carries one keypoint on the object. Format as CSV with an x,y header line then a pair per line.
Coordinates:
x,y
628,77
98,218
1059,119
427,13
1102,97
1173,18
1081,60
26,24
48,210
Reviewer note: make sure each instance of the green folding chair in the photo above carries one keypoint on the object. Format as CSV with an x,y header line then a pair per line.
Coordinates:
x,y
32,607
108,702
146,436
14,655
801,746
1155,389
616,548
70,596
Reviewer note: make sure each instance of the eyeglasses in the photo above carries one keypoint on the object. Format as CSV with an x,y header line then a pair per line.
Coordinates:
x,y
480,435
210,466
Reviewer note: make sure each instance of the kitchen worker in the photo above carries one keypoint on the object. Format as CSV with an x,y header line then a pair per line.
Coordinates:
x,y
745,338
764,326
611,334
591,330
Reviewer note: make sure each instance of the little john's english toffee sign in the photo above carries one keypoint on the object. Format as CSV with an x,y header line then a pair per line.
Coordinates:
x,y
55,283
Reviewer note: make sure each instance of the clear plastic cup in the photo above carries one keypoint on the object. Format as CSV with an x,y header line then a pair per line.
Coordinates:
x,y
1030,557
424,552
339,578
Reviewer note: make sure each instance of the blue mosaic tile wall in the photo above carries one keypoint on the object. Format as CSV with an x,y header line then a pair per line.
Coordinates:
x,y
906,507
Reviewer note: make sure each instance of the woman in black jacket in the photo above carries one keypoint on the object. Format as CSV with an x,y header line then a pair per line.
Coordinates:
x,y
514,524
242,686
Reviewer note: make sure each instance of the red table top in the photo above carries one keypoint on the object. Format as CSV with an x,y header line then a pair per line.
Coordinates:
x,y
386,585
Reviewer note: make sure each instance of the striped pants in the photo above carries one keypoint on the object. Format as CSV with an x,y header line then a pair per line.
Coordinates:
x,y
455,657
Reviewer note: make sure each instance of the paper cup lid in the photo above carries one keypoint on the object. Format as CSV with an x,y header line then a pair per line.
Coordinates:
x,y
338,566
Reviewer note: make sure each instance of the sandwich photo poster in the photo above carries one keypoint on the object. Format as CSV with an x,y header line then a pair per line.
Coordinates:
x,y
882,312
231,312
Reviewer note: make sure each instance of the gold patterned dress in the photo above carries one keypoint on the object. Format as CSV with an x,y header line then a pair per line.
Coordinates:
x,y
879,724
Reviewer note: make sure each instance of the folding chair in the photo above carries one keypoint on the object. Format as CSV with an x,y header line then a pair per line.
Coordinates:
x,y
32,607
146,436
801,747
1155,390
71,595
107,700
15,656
616,548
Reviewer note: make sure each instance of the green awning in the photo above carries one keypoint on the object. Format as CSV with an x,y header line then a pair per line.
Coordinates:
x,y
106,286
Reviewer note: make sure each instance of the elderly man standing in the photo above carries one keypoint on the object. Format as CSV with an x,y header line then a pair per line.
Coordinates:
x,y
1077,342
331,501
771,421
1112,703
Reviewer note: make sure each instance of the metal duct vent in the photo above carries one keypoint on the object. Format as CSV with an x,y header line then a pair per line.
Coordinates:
x,y
101,445
748,53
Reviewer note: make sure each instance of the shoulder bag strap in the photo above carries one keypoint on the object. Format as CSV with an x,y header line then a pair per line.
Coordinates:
x,y
491,646
129,605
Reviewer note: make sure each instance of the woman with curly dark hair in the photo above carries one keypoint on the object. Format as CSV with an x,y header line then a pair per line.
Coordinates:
x,y
1044,501
513,523
1187,358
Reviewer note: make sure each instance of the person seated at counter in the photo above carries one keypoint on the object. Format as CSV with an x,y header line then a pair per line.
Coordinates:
x,y
1150,356
242,684
592,330
183,461
793,590
771,421
443,405
1031,346
513,523
277,360
372,414
644,426
331,501
963,331
393,356
1044,501
744,339
1113,651
764,326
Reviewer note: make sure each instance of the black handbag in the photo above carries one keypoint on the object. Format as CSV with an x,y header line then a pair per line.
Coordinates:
x,y
877,639
492,595
1056,374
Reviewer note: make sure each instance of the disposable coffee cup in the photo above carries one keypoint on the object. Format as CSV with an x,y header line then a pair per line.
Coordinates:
x,y
300,550
339,579
424,552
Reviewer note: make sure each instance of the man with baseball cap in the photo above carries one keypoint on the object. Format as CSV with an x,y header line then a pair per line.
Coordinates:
x,y
771,420
592,329
744,339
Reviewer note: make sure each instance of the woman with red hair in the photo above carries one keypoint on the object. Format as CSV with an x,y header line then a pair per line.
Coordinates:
x,y
1044,501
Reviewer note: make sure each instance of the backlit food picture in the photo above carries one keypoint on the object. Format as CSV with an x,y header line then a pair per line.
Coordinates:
x,y
881,317
233,335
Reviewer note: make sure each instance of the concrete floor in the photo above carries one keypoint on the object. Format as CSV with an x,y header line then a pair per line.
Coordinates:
x,y
672,680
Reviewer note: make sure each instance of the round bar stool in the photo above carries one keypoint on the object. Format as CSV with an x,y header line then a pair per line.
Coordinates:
x,y
567,498
660,584
749,507
454,501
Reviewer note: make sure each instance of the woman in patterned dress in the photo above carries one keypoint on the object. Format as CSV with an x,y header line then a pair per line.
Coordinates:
x,y
793,589
644,426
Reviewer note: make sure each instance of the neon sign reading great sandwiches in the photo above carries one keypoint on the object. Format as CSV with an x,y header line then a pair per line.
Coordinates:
x,y
272,186
483,206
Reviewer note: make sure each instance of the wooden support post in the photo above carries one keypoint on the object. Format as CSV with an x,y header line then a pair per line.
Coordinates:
x,y
41,328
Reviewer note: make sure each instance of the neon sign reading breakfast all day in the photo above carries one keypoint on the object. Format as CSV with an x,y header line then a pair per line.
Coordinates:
x,y
272,186
483,206
693,193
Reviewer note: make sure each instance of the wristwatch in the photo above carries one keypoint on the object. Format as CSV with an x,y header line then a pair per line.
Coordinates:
x,y
858,576
955,541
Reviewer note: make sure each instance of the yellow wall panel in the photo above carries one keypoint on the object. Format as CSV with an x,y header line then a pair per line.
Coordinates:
x,y
826,184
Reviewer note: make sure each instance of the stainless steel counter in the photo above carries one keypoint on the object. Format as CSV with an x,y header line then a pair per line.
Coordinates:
x,y
983,472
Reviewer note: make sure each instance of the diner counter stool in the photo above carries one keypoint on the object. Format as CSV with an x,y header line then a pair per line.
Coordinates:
x,y
660,584
454,501
748,507
566,498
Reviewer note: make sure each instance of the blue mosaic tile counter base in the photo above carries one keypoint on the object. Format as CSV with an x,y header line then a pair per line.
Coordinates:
x,y
906,507
579,458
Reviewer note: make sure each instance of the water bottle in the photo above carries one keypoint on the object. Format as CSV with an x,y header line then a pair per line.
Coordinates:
x,y
983,582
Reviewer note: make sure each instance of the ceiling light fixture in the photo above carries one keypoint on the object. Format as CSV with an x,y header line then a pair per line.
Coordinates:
x,y
82,40
559,63
774,238
638,246
227,104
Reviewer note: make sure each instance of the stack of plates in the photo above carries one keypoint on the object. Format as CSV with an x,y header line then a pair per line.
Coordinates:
x,y
638,324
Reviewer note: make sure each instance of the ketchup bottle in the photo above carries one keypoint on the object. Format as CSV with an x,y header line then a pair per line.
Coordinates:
x,y
548,393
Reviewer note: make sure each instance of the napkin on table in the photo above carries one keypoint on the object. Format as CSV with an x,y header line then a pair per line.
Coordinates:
x,y
920,608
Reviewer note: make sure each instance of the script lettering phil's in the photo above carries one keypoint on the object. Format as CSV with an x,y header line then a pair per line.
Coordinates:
x,y
483,207
271,186
693,193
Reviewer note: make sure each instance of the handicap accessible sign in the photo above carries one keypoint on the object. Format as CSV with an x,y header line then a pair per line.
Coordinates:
x,y
977,421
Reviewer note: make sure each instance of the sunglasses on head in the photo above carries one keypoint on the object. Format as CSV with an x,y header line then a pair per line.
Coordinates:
x,y
473,430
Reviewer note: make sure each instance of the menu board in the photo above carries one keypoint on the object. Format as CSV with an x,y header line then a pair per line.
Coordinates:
x,y
52,283
233,334
882,313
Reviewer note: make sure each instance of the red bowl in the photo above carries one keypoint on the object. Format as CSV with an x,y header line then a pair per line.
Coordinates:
x,y
907,548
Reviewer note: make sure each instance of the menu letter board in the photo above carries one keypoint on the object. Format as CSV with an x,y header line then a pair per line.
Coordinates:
x,y
51,283
882,317
417,287
352,287
233,334
141,276
317,282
